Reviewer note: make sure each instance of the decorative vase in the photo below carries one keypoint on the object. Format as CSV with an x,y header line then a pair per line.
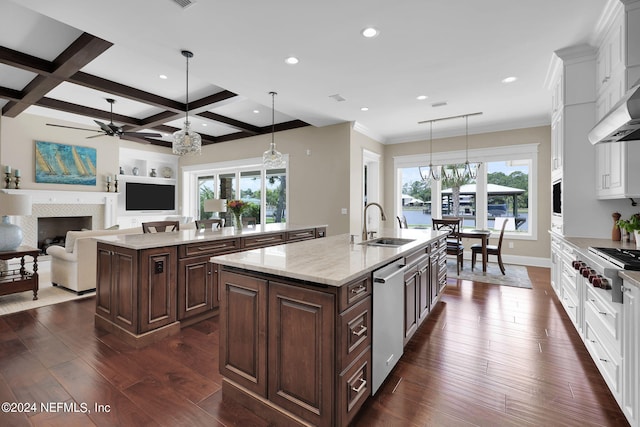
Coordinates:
x,y
616,236
237,221
153,173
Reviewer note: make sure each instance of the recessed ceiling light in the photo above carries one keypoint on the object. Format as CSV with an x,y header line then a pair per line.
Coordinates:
x,y
370,32
509,79
292,60
364,109
256,111
163,77
204,124
421,97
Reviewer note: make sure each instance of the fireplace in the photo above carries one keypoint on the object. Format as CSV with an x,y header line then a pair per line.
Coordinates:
x,y
53,230
99,207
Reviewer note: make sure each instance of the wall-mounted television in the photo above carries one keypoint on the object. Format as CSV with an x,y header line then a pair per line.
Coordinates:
x,y
149,197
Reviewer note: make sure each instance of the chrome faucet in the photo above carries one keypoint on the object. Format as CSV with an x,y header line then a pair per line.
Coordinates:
x,y
364,229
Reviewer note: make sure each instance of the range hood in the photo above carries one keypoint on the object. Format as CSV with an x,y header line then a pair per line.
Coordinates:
x,y
622,123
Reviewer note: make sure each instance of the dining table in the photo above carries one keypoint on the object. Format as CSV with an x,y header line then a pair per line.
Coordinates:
x,y
483,235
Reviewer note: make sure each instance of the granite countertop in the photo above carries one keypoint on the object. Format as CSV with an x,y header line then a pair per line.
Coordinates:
x,y
173,238
332,261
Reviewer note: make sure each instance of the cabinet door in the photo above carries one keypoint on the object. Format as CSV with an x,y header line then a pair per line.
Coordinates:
x,y
410,304
631,353
557,137
158,289
243,331
302,352
195,287
424,291
104,271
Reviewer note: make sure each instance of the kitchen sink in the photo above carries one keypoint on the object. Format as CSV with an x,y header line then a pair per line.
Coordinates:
x,y
393,242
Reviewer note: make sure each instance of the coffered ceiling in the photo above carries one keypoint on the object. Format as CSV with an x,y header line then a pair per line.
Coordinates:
x,y
62,59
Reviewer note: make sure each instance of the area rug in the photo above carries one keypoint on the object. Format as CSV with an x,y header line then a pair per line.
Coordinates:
x,y
47,295
516,275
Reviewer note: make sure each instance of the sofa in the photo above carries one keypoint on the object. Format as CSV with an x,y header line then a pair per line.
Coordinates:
x,y
73,266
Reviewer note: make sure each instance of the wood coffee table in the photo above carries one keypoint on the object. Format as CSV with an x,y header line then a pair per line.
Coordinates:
x,y
20,280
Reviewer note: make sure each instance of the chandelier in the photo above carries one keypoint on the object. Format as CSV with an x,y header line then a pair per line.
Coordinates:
x,y
186,141
469,171
433,173
272,158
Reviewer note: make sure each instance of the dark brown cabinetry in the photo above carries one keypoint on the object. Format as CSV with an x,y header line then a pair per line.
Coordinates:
x,y
197,285
144,295
295,346
137,291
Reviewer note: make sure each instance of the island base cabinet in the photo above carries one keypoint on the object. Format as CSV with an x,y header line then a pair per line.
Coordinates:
x,y
243,331
281,347
136,291
301,351
196,293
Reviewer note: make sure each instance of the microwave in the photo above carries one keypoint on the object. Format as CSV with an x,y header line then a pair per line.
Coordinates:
x,y
557,198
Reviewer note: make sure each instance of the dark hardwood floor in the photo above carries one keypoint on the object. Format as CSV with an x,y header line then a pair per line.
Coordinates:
x,y
488,355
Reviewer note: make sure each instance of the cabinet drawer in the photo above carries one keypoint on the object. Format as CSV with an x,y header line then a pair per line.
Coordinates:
x,y
262,241
211,247
415,256
354,332
353,292
570,303
607,363
354,387
605,317
293,236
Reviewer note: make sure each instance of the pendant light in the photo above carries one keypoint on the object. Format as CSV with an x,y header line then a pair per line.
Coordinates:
x,y
272,158
470,172
186,141
433,174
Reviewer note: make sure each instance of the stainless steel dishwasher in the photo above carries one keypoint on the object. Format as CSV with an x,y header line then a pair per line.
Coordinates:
x,y
388,320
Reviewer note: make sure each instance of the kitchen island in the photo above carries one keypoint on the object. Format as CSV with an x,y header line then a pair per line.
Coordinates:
x,y
150,285
296,321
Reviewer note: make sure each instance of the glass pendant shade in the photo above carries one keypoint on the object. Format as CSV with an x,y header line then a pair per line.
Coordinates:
x,y
272,158
186,141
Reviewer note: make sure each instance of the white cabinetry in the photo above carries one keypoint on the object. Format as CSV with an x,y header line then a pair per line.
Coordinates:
x,y
618,68
618,170
631,354
573,92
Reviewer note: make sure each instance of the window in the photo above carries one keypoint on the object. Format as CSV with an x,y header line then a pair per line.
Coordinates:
x,y
206,190
416,198
504,189
266,190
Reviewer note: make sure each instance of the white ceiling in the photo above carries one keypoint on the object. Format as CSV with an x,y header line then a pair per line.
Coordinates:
x,y
452,51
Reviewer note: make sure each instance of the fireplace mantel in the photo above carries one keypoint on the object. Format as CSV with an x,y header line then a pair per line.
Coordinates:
x,y
101,206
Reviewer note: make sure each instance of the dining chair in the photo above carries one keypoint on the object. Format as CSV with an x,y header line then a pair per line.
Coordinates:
x,y
402,221
160,226
248,221
205,224
491,249
454,241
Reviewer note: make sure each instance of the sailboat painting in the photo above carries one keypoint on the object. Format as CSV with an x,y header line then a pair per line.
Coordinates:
x,y
65,164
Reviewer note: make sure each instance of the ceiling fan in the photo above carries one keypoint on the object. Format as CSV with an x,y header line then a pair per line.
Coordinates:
x,y
110,129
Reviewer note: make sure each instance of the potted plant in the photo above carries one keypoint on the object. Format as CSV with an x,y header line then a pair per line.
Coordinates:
x,y
632,227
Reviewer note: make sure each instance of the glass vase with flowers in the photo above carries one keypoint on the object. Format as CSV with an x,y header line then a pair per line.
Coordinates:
x,y
237,208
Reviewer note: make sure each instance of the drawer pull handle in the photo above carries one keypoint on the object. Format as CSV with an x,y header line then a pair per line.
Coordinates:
x,y
603,360
360,289
266,239
362,385
360,331
208,248
604,313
